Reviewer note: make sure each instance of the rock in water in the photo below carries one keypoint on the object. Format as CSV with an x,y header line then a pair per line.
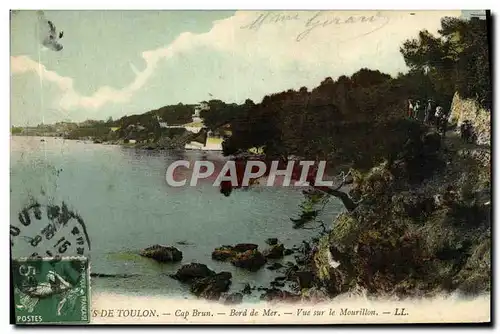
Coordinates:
x,y
277,283
275,266
291,270
223,253
252,260
274,252
233,298
111,275
192,271
162,253
272,241
247,289
280,296
300,259
212,287
304,279
240,248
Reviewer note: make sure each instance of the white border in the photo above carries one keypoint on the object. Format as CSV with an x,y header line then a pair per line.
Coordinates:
x,y
255,4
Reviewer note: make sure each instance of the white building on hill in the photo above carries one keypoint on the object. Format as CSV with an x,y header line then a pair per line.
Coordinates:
x,y
199,108
161,122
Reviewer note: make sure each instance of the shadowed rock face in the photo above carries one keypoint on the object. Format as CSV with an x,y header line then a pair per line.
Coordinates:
x,y
244,247
243,256
247,289
304,279
278,295
162,253
212,287
203,281
233,298
223,253
272,241
275,266
274,252
192,271
252,260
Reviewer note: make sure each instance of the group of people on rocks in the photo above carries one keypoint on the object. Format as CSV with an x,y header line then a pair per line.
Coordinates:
x,y
429,112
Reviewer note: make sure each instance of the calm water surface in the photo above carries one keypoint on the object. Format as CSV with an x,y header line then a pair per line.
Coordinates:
x,y
122,196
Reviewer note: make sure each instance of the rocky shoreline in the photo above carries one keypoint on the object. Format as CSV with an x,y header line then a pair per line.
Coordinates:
x,y
205,283
164,145
406,237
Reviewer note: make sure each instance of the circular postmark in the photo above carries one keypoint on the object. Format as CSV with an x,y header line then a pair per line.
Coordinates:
x,y
49,231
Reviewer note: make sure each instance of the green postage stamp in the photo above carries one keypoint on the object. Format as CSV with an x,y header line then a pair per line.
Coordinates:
x,y
51,290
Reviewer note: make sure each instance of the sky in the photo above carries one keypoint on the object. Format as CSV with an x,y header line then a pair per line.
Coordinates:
x,y
117,63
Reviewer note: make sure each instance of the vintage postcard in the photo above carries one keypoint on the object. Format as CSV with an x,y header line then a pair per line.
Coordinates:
x,y
250,167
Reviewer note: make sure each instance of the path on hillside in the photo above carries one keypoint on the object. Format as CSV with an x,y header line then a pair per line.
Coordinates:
x,y
453,141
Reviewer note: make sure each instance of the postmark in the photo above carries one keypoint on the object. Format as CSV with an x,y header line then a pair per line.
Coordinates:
x,y
51,290
49,230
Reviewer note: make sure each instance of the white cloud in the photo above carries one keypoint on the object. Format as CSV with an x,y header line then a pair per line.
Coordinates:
x,y
328,41
69,97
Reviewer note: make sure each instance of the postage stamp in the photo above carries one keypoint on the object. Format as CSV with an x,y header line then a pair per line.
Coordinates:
x,y
265,167
52,290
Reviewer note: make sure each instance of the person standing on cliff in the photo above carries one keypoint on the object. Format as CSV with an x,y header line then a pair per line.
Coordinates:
x,y
438,116
420,111
441,120
411,109
429,112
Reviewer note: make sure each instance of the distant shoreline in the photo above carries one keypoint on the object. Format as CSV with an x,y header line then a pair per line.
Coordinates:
x,y
141,146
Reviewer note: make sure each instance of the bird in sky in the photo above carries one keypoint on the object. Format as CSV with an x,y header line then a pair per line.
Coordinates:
x,y
50,35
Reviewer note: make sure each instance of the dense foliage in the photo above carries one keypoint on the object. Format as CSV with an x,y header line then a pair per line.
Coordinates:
x,y
456,60
344,120
141,127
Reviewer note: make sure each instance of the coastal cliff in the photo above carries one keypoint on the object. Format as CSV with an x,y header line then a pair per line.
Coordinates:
x,y
415,238
469,109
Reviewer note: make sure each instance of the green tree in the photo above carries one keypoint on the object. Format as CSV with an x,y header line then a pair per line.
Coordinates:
x,y
457,59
